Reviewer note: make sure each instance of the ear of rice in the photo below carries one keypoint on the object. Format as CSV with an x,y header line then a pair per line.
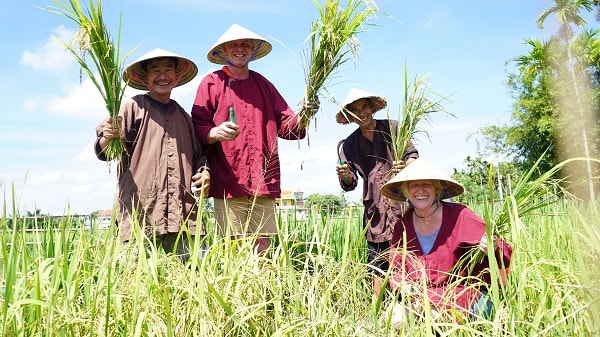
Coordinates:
x,y
93,41
418,105
333,42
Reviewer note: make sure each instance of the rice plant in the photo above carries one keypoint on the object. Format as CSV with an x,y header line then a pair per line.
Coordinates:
x,y
418,105
93,40
333,42
71,281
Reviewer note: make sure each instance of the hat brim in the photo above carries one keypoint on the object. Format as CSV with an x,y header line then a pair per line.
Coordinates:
x,y
421,169
217,56
345,116
135,75
236,32
393,190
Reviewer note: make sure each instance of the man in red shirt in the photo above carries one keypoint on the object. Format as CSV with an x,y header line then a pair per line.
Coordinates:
x,y
240,115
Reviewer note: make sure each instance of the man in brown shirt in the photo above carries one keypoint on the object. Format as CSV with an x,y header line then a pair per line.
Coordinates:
x,y
368,153
162,160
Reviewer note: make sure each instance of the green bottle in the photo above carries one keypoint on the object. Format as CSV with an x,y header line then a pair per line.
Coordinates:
x,y
232,115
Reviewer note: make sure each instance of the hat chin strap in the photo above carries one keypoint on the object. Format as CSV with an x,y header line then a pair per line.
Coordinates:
x,y
260,42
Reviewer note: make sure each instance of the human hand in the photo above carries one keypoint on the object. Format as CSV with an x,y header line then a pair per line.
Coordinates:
x,y
310,104
112,128
398,166
398,314
227,131
201,183
343,173
483,244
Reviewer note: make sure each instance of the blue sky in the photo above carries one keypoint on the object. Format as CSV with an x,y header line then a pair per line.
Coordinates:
x,y
49,116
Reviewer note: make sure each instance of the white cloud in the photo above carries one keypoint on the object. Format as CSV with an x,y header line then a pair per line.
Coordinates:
x,y
52,55
81,101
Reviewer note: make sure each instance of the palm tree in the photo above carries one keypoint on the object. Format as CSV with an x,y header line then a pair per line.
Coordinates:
x,y
567,13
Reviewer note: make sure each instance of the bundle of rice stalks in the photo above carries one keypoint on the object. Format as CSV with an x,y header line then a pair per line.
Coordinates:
x,y
93,39
333,42
416,108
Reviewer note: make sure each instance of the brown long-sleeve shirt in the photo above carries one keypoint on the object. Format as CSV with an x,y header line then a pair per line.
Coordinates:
x,y
373,161
155,174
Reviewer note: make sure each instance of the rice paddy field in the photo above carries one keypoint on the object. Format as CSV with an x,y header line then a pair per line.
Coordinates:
x,y
73,281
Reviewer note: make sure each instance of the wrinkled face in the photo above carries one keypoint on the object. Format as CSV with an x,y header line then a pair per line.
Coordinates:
x,y
421,193
362,111
161,74
238,52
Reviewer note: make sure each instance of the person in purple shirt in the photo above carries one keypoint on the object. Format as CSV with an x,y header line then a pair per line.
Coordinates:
x,y
240,115
432,238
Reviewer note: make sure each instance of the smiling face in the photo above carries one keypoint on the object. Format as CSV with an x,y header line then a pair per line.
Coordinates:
x,y
422,193
239,52
161,74
362,112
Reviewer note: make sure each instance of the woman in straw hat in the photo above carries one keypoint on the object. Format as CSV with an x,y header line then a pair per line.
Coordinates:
x,y
436,234
240,115
162,157
368,153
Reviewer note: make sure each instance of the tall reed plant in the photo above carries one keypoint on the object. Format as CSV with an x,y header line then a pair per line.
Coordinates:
x,y
72,281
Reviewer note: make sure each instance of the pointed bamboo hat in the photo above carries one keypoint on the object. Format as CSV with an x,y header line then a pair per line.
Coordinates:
x,y
421,169
134,75
379,102
237,32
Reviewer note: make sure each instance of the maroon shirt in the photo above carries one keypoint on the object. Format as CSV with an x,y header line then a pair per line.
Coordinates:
x,y
373,161
248,165
460,232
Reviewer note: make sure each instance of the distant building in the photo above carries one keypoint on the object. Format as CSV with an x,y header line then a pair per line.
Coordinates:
x,y
291,205
101,219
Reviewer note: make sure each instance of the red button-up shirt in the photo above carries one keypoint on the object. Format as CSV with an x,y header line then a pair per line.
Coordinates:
x,y
461,231
248,165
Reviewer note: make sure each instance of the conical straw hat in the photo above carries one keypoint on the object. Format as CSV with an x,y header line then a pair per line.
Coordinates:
x,y
134,74
379,102
421,169
237,32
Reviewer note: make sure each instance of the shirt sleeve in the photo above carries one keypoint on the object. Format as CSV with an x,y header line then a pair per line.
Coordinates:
x,y
410,151
204,107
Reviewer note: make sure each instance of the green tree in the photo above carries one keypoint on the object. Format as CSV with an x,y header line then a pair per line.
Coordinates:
x,y
572,78
326,203
556,92
483,180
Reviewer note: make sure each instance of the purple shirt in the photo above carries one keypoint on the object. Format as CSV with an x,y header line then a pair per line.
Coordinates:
x,y
248,165
460,232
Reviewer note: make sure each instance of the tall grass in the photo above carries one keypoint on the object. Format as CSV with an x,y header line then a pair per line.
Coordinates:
x,y
75,282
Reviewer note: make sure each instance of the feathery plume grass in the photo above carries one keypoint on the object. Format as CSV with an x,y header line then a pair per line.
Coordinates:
x,y
93,41
333,42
